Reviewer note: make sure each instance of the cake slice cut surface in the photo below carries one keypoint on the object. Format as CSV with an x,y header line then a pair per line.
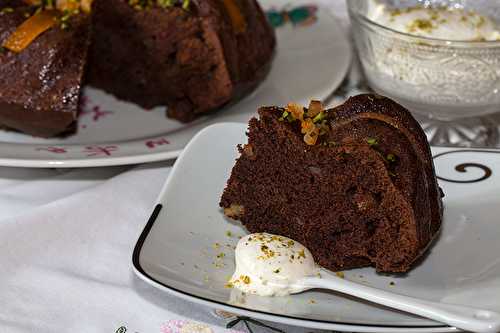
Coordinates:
x,y
354,184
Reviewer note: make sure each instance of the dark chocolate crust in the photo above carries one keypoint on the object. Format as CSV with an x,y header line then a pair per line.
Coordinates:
x,y
192,61
345,201
355,119
40,87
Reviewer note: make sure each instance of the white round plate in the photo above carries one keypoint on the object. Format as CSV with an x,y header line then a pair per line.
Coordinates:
x,y
310,63
180,249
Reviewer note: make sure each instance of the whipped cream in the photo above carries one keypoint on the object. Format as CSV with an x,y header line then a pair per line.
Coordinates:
x,y
438,23
269,265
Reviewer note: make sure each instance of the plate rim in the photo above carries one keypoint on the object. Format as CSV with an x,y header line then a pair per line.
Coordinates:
x,y
90,162
160,205
264,315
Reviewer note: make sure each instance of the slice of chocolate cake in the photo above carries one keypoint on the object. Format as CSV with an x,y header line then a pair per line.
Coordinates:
x,y
194,56
40,82
354,184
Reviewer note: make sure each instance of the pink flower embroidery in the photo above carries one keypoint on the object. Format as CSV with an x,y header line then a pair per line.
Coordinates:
x,y
151,144
184,326
55,150
100,151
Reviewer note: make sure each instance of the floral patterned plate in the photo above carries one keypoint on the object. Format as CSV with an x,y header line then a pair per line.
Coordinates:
x,y
187,247
312,59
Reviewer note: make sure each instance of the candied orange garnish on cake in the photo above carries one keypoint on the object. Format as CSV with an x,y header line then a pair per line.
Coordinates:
x,y
237,19
310,131
315,108
34,26
296,110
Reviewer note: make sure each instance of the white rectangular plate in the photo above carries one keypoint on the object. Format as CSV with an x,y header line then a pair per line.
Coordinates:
x,y
180,249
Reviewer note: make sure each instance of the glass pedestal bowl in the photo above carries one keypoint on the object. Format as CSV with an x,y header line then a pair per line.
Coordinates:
x,y
442,82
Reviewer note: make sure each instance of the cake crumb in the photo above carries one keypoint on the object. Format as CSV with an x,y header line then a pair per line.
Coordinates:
x,y
340,274
392,283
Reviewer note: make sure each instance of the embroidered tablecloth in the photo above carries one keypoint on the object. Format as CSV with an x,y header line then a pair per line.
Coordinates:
x,y
66,238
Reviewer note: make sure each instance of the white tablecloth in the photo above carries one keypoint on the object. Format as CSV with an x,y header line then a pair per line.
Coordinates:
x,y
66,239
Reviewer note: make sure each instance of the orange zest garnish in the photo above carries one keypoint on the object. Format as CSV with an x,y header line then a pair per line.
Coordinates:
x,y
296,110
86,5
237,19
68,5
72,5
33,27
33,2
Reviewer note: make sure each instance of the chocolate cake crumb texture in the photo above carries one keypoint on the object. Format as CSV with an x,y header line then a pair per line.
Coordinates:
x,y
354,184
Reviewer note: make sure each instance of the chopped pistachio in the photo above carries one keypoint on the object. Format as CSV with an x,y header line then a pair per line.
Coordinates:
x,y
319,117
391,158
245,279
165,3
7,10
372,141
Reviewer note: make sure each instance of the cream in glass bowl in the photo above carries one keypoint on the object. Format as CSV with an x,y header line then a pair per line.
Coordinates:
x,y
438,58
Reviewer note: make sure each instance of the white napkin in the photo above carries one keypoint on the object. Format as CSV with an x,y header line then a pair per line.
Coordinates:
x,y
65,262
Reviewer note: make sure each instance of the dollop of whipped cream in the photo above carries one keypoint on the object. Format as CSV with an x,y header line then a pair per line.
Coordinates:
x,y
439,23
269,265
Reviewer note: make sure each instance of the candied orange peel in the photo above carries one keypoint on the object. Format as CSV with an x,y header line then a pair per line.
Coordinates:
x,y
312,122
237,19
30,29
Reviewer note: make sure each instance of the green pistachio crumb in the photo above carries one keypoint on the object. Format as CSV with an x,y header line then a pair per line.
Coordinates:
x,y
391,158
319,117
7,10
372,141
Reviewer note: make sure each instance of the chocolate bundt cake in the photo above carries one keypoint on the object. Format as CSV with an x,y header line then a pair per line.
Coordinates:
x,y
192,60
354,184
193,56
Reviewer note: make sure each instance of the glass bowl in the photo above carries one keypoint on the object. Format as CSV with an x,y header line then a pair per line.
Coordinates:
x,y
441,79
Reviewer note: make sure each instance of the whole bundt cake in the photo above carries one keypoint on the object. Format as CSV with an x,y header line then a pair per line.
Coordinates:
x,y
354,184
193,56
